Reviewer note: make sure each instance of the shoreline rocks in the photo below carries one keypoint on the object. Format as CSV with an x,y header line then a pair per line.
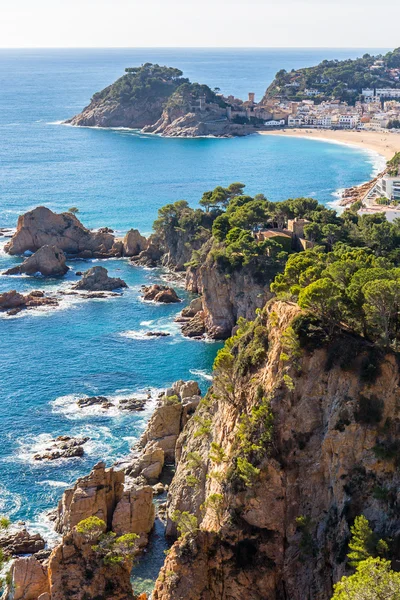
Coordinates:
x,y
49,261
13,302
14,543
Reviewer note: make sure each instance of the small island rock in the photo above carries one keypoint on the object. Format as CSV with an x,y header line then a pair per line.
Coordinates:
x,y
160,293
96,279
48,260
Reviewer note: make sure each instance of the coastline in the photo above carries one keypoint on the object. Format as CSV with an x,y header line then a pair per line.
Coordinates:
x,y
385,144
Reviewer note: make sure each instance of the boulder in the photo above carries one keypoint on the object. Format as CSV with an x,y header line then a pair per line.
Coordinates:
x,y
21,542
134,243
96,494
97,279
160,293
135,512
194,307
195,327
48,260
29,580
41,227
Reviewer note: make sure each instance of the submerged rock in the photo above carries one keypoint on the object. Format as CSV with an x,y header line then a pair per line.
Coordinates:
x,y
48,260
94,401
97,279
63,447
160,293
157,334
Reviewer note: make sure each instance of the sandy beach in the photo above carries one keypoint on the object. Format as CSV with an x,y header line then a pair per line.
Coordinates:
x,y
385,144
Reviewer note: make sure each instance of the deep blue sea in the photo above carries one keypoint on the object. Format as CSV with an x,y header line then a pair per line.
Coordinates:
x,y
119,179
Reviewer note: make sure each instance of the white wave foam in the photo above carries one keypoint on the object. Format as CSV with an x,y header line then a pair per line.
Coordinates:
x,y
54,484
10,503
67,405
43,525
202,373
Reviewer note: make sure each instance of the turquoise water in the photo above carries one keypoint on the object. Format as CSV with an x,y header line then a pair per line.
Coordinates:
x,y
118,179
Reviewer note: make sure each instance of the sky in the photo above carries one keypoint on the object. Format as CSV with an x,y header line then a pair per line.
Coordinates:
x,y
199,23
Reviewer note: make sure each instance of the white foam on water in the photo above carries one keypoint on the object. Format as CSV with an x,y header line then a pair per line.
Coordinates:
x,y
53,483
201,373
45,527
10,503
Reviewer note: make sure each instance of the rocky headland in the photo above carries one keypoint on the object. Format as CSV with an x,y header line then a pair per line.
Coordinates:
x,y
160,100
102,515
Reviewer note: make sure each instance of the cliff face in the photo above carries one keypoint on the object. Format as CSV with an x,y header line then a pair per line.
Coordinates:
x,y
228,296
103,112
290,446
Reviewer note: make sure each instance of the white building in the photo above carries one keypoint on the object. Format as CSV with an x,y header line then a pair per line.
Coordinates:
x,y
387,93
295,121
348,121
275,123
368,94
389,187
310,92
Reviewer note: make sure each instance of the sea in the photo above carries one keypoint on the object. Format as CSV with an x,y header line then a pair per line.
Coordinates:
x,y
49,358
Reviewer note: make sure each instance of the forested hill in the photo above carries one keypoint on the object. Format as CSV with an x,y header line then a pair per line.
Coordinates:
x,y
341,80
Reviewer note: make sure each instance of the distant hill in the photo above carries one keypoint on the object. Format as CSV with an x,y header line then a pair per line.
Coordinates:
x,y
342,80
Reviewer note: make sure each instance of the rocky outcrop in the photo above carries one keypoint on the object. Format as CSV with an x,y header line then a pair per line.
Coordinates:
x,y
48,261
96,279
158,443
192,319
276,465
42,227
226,299
63,447
77,572
135,512
29,580
14,543
95,495
160,293
134,243
13,302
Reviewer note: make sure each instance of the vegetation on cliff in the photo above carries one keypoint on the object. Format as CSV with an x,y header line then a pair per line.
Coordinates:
x,y
146,82
342,80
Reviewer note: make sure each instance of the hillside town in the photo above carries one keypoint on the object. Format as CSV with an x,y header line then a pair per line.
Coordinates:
x,y
376,110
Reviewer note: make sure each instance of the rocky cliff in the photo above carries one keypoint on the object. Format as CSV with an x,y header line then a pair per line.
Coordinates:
x,y
295,439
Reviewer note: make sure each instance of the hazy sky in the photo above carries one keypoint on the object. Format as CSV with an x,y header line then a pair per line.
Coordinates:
x,y
265,23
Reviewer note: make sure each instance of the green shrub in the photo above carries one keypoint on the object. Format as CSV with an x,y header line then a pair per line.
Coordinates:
x,y
186,523
91,528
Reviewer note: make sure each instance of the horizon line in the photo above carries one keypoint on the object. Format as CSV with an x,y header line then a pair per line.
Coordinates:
x,y
193,47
